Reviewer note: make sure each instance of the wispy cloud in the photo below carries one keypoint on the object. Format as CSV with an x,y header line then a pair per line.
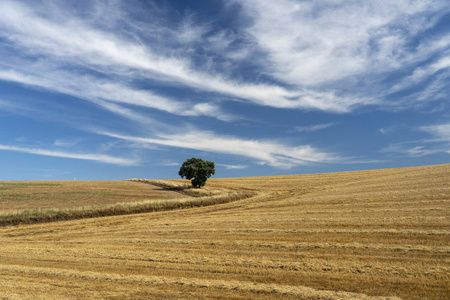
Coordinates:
x,y
413,151
266,152
386,130
232,167
170,163
316,42
83,156
316,51
109,94
79,43
440,143
441,132
353,46
65,143
312,128
423,72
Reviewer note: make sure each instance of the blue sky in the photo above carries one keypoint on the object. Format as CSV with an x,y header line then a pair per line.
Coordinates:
x,y
130,89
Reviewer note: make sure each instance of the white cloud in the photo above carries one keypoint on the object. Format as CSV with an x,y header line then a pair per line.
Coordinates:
x,y
267,152
170,163
109,94
440,131
385,130
83,156
77,42
232,167
412,151
439,144
354,50
313,127
422,73
311,43
65,143
308,44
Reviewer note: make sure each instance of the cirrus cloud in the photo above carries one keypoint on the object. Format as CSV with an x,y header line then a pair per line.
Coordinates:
x,y
83,156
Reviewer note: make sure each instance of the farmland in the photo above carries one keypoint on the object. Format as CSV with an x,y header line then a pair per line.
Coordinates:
x,y
355,235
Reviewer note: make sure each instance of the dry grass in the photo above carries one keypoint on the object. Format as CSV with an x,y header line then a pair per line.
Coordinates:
x,y
22,195
160,196
353,235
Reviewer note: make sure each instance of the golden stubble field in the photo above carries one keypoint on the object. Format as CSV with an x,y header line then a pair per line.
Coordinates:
x,y
355,235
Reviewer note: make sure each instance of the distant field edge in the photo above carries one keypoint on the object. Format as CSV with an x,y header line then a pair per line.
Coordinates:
x,y
34,216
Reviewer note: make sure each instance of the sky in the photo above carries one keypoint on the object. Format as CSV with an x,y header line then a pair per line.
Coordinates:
x,y
111,90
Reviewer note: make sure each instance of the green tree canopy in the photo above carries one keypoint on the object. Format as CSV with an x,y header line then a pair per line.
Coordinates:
x,y
197,170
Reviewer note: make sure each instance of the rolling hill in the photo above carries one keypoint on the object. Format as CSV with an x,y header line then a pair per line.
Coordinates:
x,y
379,234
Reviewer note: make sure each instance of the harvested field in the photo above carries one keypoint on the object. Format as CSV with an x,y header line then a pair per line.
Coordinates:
x,y
155,195
21,195
353,235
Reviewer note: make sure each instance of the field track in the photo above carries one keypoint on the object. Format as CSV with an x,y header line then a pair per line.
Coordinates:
x,y
381,234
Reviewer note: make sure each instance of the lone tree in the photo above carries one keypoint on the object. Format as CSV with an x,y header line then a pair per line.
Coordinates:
x,y
198,170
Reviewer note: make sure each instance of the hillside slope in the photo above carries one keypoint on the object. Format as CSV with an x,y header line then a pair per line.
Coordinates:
x,y
352,235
